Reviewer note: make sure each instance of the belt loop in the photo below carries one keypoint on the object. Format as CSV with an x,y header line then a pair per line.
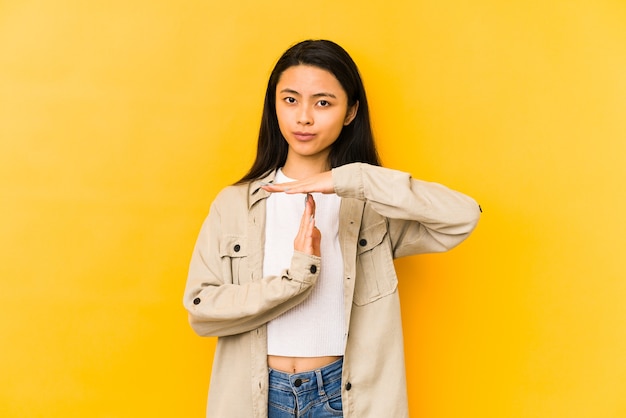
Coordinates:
x,y
320,382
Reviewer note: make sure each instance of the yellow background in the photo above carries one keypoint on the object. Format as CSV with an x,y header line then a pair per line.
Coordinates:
x,y
121,120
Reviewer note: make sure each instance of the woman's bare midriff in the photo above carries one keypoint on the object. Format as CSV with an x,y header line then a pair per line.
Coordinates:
x,y
299,364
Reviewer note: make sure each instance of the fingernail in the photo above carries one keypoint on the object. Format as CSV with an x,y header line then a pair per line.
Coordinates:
x,y
312,218
306,199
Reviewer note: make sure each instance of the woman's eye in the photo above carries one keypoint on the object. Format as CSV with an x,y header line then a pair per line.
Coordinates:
x,y
290,100
323,103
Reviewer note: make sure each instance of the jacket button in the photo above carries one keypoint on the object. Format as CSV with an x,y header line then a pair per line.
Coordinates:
x,y
196,301
297,383
348,386
363,242
313,269
237,247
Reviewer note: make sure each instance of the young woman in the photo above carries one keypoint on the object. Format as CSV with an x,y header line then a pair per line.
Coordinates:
x,y
293,268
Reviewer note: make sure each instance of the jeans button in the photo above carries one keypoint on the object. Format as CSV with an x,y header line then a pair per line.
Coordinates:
x,y
297,383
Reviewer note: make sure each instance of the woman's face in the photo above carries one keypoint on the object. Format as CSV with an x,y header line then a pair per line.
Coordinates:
x,y
312,108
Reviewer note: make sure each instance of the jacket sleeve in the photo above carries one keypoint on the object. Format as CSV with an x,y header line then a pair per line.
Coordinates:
x,y
423,217
217,307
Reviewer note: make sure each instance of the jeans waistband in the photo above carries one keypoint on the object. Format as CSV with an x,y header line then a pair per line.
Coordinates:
x,y
309,380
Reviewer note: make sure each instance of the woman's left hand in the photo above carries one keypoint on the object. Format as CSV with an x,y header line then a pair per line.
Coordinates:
x,y
319,183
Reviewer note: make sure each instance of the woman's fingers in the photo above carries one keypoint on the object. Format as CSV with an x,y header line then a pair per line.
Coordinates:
x,y
320,183
309,237
305,216
299,241
313,238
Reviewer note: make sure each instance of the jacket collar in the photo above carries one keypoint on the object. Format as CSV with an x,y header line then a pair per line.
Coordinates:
x,y
255,193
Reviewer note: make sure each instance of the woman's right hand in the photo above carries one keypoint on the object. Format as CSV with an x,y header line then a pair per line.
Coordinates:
x,y
309,237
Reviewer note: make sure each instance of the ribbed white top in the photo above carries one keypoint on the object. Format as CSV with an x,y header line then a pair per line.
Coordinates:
x,y
315,327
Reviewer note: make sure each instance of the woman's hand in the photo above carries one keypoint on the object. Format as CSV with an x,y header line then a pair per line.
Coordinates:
x,y
319,183
309,237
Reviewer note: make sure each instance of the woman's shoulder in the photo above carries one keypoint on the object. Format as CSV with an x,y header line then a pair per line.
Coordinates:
x,y
241,192
233,193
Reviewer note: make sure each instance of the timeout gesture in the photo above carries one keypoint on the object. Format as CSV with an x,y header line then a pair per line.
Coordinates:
x,y
308,237
318,183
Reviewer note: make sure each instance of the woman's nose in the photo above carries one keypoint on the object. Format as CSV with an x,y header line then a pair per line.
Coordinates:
x,y
304,116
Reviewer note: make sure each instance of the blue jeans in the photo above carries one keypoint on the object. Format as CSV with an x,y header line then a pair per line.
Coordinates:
x,y
314,394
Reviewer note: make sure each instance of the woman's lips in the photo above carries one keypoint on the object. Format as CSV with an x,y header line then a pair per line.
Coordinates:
x,y
303,136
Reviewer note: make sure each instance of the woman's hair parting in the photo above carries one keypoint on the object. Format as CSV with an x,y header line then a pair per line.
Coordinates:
x,y
356,140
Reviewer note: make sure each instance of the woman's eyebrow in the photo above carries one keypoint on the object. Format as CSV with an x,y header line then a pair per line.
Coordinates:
x,y
321,94
324,95
290,91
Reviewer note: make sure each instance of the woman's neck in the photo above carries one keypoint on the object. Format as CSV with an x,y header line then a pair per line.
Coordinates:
x,y
302,168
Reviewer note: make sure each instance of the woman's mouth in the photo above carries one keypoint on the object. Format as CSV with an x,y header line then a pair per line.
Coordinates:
x,y
303,136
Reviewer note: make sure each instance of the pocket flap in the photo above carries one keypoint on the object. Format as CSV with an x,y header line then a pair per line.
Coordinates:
x,y
233,246
371,236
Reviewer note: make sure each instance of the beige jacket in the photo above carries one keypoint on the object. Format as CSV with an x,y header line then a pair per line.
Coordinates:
x,y
384,214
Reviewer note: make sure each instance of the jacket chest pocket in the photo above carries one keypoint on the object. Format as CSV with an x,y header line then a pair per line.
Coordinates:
x,y
234,256
375,272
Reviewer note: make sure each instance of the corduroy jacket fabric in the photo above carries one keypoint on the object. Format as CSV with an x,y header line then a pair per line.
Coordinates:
x,y
384,214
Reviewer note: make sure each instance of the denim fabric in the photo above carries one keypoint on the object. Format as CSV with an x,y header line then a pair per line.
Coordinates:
x,y
314,394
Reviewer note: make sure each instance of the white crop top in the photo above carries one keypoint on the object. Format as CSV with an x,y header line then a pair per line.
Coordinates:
x,y
315,327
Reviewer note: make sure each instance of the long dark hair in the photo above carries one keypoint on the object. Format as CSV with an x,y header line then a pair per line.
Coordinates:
x,y
356,140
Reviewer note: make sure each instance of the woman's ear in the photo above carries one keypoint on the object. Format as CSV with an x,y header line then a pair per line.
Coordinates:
x,y
351,113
